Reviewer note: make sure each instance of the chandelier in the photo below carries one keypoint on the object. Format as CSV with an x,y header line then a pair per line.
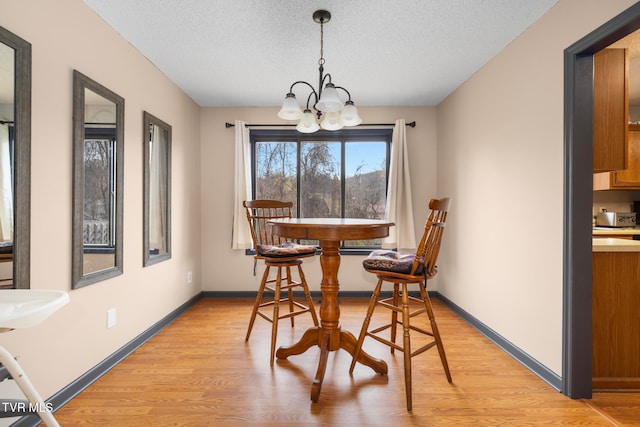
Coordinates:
x,y
332,112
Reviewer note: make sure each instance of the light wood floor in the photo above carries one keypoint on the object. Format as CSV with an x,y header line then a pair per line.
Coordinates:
x,y
199,371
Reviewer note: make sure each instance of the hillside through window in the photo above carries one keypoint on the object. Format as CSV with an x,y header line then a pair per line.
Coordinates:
x,y
339,174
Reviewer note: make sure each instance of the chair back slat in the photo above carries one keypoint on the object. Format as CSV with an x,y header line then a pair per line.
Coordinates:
x,y
259,213
429,246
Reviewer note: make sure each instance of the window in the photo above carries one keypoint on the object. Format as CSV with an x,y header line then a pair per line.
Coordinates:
x,y
340,174
99,196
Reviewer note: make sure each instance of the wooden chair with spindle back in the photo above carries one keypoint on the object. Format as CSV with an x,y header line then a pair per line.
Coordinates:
x,y
407,269
280,254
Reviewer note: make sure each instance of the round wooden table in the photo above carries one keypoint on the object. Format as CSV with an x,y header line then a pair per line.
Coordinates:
x,y
328,336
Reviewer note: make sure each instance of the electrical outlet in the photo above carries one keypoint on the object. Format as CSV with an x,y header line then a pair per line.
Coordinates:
x,y
189,277
111,318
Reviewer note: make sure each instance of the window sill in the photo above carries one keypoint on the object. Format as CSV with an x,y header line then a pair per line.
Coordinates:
x,y
99,249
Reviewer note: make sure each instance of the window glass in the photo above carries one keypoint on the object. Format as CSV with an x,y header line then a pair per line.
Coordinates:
x,y
320,166
365,180
275,175
99,191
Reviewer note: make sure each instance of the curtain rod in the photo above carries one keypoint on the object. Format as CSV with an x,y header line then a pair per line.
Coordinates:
x,y
230,125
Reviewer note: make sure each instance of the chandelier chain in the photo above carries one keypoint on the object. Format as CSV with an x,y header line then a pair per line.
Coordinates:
x,y
321,60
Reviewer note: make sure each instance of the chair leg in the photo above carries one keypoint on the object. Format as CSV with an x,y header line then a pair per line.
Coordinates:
x,y
307,295
394,314
276,315
434,330
365,324
406,346
290,294
256,305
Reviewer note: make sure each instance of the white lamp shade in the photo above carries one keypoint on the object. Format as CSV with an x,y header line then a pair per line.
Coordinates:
x,y
349,115
308,123
290,108
329,101
331,121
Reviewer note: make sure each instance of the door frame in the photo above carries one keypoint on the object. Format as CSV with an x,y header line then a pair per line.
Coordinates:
x,y
578,199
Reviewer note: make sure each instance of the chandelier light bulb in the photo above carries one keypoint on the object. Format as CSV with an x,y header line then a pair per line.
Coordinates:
x,y
329,100
349,115
331,121
308,123
290,108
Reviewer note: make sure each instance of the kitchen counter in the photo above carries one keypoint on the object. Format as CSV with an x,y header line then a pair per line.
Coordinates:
x,y
615,231
604,244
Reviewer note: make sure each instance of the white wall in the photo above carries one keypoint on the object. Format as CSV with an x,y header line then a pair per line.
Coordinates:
x,y
224,269
67,35
500,157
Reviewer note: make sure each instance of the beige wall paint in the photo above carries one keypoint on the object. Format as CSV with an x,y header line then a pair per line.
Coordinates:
x,y
67,35
224,269
500,155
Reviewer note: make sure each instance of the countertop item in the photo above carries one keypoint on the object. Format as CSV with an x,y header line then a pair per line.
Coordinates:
x,y
616,219
605,244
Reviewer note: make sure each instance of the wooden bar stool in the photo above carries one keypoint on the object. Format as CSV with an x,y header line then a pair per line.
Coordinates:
x,y
402,270
282,256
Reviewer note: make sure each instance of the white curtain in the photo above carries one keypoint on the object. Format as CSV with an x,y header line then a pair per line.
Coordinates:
x,y
6,187
399,208
241,238
158,190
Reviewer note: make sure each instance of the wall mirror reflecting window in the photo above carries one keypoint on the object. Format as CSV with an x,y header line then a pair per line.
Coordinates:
x,y
98,143
15,160
157,189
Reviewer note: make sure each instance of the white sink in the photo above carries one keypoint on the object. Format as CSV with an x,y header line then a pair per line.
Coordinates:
x,y
24,308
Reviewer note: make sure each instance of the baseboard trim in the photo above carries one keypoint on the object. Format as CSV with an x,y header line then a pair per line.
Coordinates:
x,y
86,379
82,382
252,294
548,376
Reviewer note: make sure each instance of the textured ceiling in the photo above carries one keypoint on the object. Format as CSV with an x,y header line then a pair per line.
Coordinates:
x,y
385,52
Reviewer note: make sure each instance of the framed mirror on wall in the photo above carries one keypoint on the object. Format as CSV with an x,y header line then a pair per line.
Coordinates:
x,y
15,160
98,170
157,190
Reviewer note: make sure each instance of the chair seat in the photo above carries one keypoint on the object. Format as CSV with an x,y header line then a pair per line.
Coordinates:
x,y
392,261
285,250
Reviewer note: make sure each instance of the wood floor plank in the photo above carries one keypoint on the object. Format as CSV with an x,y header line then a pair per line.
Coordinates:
x,y
199,371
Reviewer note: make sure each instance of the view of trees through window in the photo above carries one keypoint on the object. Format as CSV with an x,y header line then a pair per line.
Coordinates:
x,y
325,176
99,202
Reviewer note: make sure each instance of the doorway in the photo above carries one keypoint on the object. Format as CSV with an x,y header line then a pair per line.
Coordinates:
x,y
578,198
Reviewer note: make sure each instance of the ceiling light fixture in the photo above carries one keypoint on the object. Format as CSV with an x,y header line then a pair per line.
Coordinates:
x,y
337,113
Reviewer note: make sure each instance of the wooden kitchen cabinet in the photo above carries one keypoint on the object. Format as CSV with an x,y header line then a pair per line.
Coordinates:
x,y
610,109
616,321
626,179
